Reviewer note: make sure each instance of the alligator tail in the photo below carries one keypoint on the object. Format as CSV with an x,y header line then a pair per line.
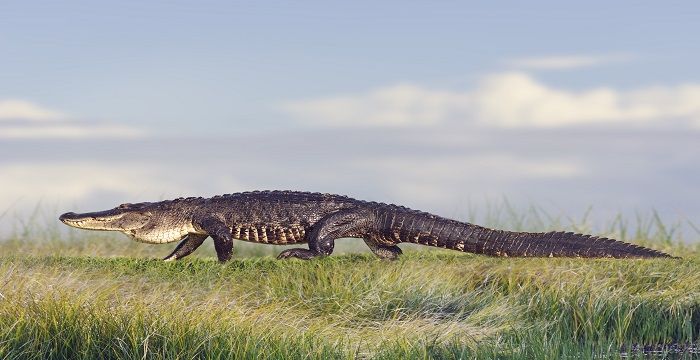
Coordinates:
x,y
550,244
428,229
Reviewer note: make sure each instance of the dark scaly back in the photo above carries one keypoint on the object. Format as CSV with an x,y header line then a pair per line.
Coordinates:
x,y
276,208
404,225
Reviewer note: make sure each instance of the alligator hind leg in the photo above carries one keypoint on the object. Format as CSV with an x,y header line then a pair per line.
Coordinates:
x,y
186,246
389,252
321,239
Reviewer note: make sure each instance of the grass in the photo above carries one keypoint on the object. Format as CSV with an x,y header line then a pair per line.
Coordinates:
x,y
89,295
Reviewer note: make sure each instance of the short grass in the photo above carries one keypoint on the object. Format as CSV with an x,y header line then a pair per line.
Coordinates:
x,y
88,295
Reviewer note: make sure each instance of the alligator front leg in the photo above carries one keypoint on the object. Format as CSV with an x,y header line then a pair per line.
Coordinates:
x,y
321,239
223,240
186,246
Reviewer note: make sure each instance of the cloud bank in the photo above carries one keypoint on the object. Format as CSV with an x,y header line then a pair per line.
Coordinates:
x,y
21,119
439,169
505,100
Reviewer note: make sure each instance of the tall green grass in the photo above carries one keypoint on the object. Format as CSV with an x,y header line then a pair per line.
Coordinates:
x,y
91,295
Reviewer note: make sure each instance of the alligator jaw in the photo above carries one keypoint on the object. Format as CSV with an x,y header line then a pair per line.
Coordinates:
x,y
100,220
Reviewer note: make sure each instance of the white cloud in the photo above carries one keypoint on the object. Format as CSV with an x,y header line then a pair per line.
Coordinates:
x,y
518,100
402,104
69,131
565,62
15,109
20,119
512,99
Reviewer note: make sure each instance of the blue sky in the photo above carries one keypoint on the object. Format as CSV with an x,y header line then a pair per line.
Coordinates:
x,y
432,105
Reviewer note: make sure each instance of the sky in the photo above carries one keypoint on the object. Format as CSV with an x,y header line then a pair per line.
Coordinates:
x,y
440,106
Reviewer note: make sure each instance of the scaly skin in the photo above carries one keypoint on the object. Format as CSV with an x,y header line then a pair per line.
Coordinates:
x,y
289,217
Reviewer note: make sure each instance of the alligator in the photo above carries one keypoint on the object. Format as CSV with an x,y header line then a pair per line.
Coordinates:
x,y
293,217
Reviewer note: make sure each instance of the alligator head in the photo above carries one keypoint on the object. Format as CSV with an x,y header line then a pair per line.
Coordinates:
x,y
145,222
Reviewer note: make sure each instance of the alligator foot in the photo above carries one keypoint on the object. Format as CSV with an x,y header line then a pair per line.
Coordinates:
x,y
304,254
386,252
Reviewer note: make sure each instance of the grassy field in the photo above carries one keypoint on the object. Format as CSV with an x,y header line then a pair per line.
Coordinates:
x,y
89,295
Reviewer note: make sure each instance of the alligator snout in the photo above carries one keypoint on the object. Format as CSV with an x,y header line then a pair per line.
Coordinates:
x,y
67,216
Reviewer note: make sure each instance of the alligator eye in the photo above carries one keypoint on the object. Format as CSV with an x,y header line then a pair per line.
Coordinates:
x,y
124,206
